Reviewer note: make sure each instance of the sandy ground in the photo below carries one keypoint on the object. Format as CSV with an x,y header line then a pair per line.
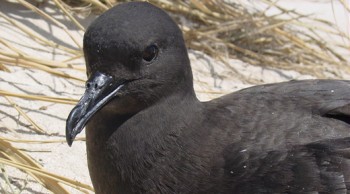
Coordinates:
x,y
212,79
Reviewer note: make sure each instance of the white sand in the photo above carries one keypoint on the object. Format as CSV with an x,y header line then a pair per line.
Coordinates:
x,y
209,75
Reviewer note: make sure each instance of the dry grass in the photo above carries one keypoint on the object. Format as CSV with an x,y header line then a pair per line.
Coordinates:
x,y
14,157
242,32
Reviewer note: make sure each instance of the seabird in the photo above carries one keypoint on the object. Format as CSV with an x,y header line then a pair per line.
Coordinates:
x,y
146,132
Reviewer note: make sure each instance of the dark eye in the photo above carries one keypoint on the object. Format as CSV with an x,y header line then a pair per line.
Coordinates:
x,y
150,53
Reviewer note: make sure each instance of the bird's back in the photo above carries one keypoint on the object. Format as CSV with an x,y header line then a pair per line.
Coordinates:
x,y
290,137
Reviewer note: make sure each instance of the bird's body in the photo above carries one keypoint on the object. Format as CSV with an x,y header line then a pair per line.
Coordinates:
x,y
154,136
282,140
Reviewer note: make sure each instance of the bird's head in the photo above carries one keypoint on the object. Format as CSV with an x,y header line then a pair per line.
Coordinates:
x,y
135,55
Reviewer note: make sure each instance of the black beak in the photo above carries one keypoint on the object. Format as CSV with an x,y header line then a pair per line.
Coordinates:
x,y
100,89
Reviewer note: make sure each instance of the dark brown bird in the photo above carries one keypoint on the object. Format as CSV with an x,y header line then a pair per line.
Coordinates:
x,y
148,133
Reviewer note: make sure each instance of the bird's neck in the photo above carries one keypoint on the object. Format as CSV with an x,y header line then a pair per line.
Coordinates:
x,y
136,144
105,124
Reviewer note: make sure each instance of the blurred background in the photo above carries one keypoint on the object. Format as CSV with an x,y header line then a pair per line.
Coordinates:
x,y
232,44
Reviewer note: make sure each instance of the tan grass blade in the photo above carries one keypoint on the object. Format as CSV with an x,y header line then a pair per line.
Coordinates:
x,y
49,176
97,4
53,20
36,128
11,153
24,63
65,11
48,63
40,141
40,97
24,162
4,68
35,36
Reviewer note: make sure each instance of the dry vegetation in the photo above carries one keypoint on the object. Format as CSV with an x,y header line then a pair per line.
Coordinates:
x,y
221,30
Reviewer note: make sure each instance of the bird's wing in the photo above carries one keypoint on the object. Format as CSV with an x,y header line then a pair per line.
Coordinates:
x,y
291,137
319,167
285,105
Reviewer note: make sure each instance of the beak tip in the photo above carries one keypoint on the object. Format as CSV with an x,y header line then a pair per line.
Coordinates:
x,y
71,125
69,141
70,134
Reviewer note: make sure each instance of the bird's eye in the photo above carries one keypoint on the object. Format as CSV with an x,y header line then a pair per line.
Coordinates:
x,y
150,53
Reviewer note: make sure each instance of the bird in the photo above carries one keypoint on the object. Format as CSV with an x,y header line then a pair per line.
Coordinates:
x,y
147,132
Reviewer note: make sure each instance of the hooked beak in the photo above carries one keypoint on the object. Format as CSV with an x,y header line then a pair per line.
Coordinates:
x,y
100,89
